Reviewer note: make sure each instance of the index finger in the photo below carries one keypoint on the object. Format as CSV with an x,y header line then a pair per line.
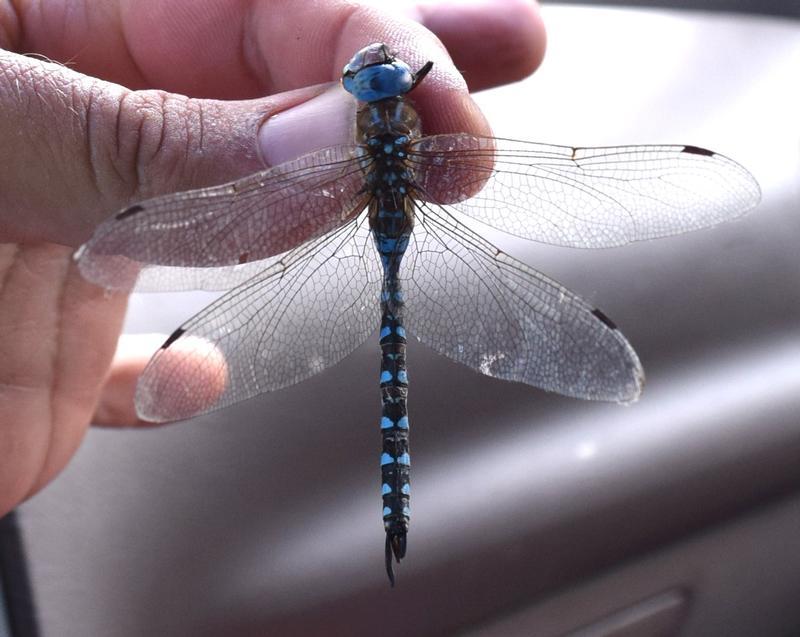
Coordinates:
x,y
116,146
228,49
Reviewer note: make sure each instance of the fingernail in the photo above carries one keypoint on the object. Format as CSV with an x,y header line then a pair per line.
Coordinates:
x,y
325,120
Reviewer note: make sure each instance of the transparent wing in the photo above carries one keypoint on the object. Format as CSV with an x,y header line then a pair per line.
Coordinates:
x,y
199,239
582,197
305,313
478,306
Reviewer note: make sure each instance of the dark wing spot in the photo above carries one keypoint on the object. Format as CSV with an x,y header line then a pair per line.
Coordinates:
x,y
606,321
244,258
173,337
129,211
696,150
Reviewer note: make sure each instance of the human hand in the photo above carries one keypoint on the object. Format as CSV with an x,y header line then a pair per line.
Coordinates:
x,y
77,147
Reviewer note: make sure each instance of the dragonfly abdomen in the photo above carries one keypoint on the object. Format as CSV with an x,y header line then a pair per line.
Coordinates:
x,y
395,458
391,229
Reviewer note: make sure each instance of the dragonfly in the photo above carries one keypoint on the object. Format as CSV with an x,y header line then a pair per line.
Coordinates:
x,y
318,252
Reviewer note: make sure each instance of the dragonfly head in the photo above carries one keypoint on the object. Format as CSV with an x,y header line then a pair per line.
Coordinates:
x,y
374,73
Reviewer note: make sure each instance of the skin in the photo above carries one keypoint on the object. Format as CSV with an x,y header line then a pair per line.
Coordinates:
x,y
151,97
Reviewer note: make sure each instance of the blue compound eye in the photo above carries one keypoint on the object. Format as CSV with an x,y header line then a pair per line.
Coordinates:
x,y
379,81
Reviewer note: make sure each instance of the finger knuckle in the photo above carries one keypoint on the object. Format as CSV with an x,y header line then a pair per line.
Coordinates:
x,y
156,138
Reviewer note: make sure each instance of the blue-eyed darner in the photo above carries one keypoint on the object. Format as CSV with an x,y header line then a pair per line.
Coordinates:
x,y
317,248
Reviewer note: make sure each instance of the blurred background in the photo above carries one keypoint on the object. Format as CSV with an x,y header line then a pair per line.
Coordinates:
x,y
533,514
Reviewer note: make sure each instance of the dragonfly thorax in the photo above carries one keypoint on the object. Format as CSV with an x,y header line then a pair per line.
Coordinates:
x,y
389,177
386,130
393,117
386,164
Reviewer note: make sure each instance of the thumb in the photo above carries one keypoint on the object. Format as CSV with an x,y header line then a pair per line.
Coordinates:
x,y
76,149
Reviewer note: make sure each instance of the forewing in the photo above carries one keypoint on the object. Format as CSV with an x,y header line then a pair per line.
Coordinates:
x,y
582,197
306,312
478,306
201,239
